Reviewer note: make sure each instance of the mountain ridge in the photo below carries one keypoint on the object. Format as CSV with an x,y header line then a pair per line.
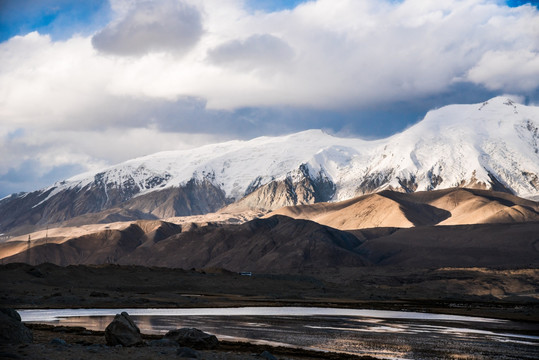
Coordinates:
x,y
449,207
453,227
492,145
281,244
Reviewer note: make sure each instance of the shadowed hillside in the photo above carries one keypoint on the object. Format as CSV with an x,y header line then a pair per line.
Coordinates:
x,y
279,244
284,245
423,229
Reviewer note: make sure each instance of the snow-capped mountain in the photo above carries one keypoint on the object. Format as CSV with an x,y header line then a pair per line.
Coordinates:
x,y
493,145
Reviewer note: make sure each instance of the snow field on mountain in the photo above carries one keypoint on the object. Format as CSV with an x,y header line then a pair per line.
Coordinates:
x,y
451,146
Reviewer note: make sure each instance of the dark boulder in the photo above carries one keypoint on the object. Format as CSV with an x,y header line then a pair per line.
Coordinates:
x,y
12,330
187,353
58,342
163,343
267,355
194,338
11,313
123,331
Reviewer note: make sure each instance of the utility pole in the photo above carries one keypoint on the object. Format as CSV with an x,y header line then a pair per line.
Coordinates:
x,y
28,250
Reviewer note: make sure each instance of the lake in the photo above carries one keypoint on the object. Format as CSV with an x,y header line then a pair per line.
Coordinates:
x,y
386,334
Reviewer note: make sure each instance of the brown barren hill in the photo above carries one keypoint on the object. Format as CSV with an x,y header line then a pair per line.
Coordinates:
x,y
483,245
278,244
480,228
456,206
96,247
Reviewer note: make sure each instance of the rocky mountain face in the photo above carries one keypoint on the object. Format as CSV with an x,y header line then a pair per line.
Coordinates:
x,y
494,145
40,208
300,188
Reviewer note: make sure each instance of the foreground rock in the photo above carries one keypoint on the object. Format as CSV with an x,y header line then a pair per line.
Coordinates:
x,y
187,353
123,331
194,338
267,355
12,330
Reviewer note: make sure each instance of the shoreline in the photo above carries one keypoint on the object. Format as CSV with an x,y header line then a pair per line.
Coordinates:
x,y
463,292
90,344
499,294
83,343
499,311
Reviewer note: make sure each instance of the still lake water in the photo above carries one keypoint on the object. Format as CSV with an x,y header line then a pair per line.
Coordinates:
x,y
385,334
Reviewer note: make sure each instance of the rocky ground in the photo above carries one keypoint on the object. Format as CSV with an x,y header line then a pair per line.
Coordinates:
x,y
499,293
52,343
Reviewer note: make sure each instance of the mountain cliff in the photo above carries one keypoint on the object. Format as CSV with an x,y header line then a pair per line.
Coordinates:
x,y
493,145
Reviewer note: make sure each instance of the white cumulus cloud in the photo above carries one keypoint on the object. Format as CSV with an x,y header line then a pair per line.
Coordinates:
x,y
507,70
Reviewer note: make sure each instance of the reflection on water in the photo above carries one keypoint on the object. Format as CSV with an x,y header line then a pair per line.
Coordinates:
x,y
255,311
411,335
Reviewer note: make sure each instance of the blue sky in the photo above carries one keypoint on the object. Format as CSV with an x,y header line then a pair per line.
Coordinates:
x,y
63,18
86,84
58,18
515,3
273,5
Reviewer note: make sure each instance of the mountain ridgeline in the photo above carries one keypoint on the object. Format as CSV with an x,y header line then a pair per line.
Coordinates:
x,y
493,146
481,228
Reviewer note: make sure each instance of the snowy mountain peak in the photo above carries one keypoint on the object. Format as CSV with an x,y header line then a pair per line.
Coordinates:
x,y
452,146
492,145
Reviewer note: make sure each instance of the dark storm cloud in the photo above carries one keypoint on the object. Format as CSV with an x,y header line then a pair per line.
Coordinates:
x,y
152,26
